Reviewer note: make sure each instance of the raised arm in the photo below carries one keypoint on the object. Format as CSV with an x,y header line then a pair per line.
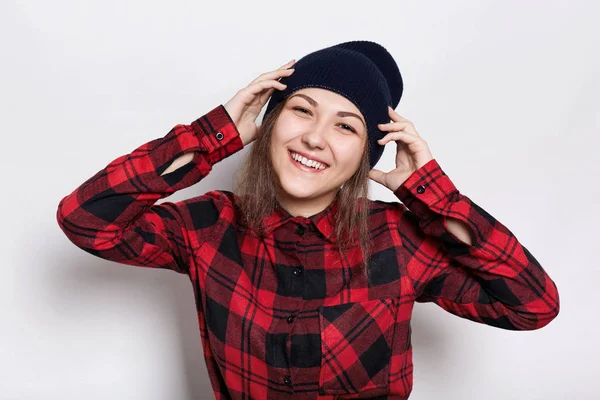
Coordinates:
x,y
495,280
113,214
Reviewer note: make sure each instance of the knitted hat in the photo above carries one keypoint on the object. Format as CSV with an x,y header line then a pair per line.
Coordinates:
x,y
362,71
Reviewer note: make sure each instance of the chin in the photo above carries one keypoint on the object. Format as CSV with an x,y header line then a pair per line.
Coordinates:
x,y
299,189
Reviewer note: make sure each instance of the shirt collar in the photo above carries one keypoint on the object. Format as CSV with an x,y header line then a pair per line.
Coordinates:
x,y
323,221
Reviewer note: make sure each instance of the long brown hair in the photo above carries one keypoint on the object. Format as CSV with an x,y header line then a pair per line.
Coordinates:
x,y
255,183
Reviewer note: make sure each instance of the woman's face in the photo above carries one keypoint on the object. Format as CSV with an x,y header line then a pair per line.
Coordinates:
x,y
319,125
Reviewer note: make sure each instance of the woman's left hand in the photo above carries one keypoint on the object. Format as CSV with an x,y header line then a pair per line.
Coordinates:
x,y
412,152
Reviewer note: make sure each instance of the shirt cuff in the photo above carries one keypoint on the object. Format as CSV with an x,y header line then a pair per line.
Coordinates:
x,y
219,137
427,190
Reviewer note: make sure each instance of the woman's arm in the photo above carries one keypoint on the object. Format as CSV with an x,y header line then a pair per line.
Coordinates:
x,y
466,261
179,162
113,214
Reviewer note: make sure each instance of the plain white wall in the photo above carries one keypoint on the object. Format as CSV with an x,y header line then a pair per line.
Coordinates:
x,y
505,93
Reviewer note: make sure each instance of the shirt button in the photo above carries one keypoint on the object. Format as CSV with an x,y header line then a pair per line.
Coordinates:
x,y
420,189
297,271
220,136
290,319
287,380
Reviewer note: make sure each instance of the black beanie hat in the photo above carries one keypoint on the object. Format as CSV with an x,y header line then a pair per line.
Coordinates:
x,y
362,71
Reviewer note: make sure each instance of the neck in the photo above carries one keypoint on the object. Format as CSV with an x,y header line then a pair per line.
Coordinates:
x,y
305,207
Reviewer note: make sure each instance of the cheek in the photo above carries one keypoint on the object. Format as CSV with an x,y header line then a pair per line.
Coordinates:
x,y
285,130
280,137
348,154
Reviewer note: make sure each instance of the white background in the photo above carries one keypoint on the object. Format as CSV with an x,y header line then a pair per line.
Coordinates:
x,y
505,93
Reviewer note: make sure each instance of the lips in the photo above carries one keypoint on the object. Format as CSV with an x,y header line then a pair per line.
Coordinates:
x,y
302,167
309,157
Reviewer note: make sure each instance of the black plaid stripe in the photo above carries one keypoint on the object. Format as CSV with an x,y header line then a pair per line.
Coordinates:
x,y
356,345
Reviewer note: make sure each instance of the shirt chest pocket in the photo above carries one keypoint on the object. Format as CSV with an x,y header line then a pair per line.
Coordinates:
x,y
356,347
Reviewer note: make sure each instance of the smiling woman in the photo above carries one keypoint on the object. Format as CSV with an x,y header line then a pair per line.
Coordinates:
x,y
318,125
304,286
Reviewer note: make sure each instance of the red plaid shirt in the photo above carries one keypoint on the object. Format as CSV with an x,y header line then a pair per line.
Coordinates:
x,y
287,316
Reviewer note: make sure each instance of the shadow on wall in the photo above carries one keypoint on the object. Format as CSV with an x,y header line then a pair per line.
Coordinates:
x,y
80,288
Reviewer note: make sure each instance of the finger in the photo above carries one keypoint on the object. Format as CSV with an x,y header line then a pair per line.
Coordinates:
x,y
395,116
399,127
258,90
264,95
260,86
263,98
277,74
395,126
377,176
287,64
402,136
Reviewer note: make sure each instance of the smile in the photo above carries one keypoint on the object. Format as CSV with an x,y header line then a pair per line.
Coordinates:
x,y
305,168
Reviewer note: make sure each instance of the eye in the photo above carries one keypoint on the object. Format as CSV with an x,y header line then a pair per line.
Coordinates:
x,y
302,110
348,127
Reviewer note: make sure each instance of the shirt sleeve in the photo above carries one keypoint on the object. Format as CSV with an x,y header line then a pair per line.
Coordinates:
x,y
113,214
495,281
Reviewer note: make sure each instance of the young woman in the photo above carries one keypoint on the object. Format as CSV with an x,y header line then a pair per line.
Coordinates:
x,y
303,285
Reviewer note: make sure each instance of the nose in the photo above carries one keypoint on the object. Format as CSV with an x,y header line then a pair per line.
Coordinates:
x,y
314,137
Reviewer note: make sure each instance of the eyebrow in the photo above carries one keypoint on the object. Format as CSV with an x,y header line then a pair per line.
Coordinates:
x,y
339,113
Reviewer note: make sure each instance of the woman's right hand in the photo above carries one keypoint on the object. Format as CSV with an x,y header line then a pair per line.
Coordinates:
x,y
244,107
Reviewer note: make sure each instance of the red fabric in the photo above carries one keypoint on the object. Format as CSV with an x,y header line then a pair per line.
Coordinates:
x,y
287,315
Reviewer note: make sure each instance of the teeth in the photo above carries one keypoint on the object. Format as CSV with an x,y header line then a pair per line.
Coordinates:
x,y
309,163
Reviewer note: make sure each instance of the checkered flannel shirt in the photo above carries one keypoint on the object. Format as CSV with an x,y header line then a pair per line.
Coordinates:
x,y
287,316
